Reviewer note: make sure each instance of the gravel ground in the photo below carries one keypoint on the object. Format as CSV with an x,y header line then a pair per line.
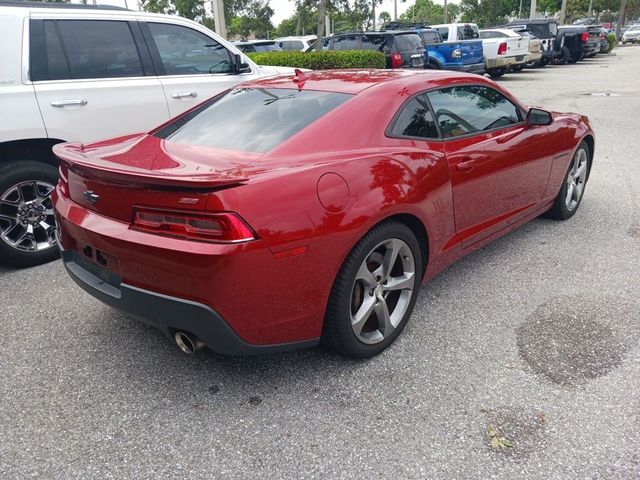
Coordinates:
x,y
536,335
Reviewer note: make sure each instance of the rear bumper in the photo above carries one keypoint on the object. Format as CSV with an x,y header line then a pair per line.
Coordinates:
x,y
237,298
471,68
167,313
506,61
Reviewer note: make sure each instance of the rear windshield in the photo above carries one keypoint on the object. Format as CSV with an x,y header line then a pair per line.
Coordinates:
x,y
408,42
468,32
251,119
429,37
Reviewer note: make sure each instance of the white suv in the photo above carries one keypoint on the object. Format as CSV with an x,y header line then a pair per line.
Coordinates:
x,y
83,73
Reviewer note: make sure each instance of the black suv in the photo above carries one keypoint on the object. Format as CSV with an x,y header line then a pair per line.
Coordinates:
x,y
402,49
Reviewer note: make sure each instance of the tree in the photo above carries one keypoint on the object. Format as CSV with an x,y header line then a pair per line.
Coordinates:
x,y
384,17
322,10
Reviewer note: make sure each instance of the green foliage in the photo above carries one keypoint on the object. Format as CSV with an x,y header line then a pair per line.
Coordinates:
x,y
429,12
321,60
384,17
611,38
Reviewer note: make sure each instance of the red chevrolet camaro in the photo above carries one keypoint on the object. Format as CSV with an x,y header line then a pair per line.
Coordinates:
x,y
309,208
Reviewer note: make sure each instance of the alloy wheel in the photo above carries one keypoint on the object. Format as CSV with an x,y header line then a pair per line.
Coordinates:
x,y
27,222
576,179
382,290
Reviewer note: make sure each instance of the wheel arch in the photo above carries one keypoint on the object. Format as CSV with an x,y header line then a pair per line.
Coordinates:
x,y
37,149
419,230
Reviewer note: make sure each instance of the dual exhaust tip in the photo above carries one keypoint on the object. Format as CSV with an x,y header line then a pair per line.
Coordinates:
x,y
188,342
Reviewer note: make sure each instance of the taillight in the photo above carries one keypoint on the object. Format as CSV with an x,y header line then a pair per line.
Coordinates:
x,y
63,172
221,227
396,60
584,37
502,48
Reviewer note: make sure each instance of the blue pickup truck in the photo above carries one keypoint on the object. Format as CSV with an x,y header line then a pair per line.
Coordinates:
x,y
460,50
462,54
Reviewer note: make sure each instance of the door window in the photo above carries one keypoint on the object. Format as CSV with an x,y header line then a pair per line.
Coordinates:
x,y
97,48
469,109
430,37
291,45
184,51
46,55
346,42
415,120
468,32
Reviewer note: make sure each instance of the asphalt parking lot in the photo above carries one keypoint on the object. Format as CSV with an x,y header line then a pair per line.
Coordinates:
x,y
536,335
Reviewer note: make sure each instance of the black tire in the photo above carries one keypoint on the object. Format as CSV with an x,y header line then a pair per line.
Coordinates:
x,y
11,174
338,333
560,210
497,72
543,62
518,68
434,66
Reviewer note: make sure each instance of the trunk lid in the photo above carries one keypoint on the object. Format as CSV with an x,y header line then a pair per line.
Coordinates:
x,y
111,177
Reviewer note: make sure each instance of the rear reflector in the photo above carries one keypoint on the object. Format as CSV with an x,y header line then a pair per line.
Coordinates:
x,y
396,60
222,227
502,48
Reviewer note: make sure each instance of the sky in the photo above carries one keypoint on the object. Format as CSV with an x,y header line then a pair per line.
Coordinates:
x,y
282,8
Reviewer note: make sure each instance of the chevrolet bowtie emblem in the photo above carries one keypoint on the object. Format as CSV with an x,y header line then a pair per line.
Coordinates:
x,y
90,196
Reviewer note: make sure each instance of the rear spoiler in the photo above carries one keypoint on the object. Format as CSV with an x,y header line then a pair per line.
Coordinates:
x,y
72,156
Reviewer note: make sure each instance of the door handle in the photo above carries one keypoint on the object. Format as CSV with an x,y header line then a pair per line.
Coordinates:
x,y
466,165
184,94
67,103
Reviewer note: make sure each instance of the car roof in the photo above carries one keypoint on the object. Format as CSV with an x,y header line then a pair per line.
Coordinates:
x,y
382,32
354,81
72,6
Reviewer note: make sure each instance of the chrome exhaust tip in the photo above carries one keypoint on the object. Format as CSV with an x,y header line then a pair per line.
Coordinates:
x,y
187,342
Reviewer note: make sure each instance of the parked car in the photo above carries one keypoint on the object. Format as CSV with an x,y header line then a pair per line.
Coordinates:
x,y
258,46
631,35
81,73
510,48
578,42
310,207
535,49
402,48
544,29
296,44
463,40
604,41
463,56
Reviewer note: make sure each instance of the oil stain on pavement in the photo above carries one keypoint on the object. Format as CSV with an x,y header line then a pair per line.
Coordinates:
x,y
573,339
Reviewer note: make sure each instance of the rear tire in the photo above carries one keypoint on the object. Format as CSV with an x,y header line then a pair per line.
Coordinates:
x,y
573,185
374,292
25,210
518,68
497,72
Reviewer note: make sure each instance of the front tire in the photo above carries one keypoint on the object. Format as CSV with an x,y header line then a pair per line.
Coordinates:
x,y
375,292
573,185
27,224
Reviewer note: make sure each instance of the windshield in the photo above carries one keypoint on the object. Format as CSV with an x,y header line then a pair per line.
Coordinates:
x,y
251,119
267,47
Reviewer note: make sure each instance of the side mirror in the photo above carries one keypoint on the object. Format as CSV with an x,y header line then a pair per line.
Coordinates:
x,y
239,66
536,117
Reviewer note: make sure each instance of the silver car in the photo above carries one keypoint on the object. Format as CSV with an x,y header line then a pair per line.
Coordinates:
x,y
632,34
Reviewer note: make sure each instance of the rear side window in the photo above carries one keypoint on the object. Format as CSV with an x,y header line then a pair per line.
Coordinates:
x,y
374,42
346,42
99,49
415,120
184,51
47,61
291,45
408,42
267,47
469,109
252,119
